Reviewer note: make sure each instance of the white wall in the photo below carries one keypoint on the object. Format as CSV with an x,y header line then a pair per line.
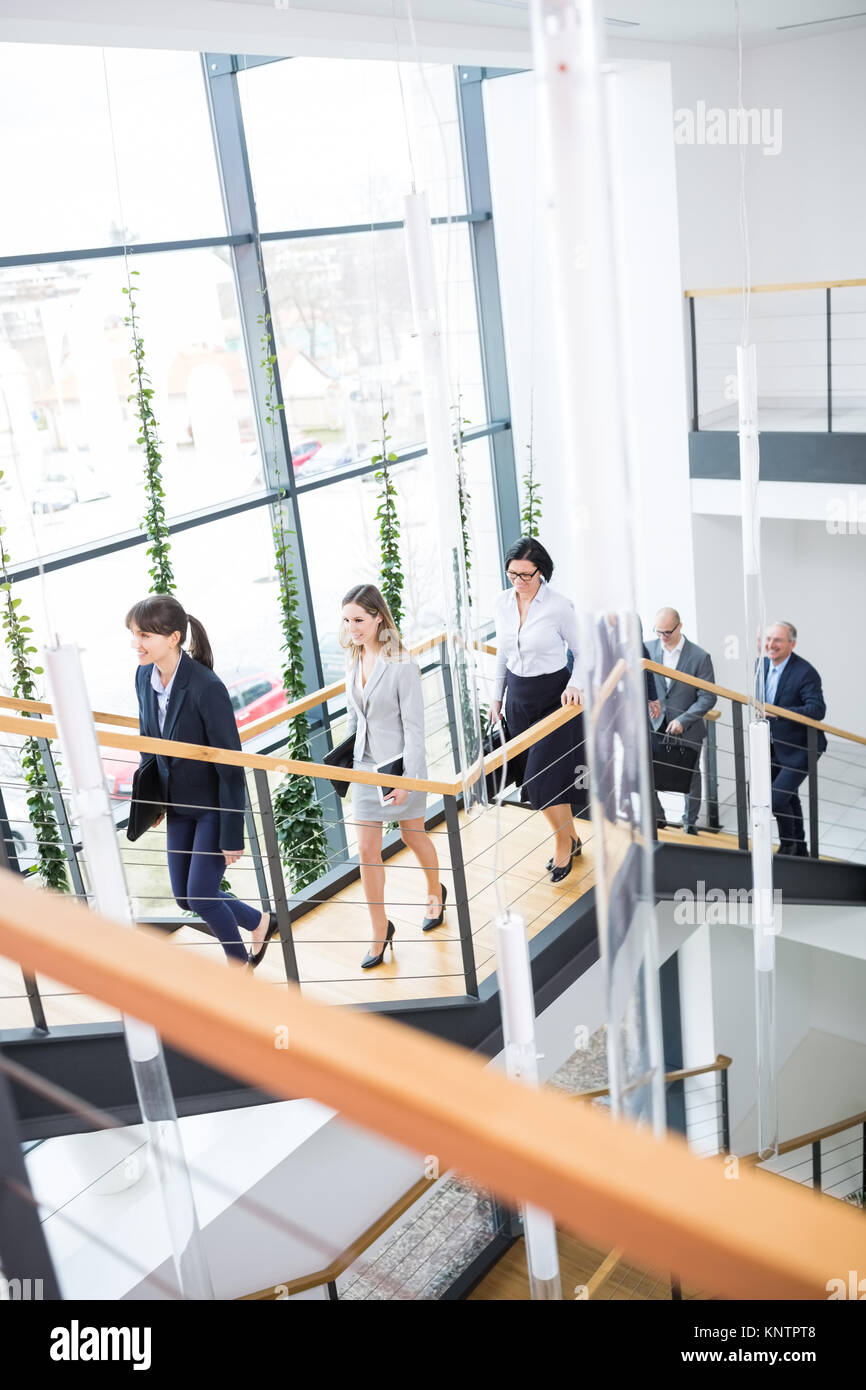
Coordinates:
x,y
811,578
807,204
652,305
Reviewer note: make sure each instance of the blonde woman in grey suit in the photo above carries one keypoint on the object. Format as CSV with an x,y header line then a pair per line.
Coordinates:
x,y
386,714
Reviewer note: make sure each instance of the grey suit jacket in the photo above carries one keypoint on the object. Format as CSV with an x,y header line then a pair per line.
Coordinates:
x,y
391,715
685,702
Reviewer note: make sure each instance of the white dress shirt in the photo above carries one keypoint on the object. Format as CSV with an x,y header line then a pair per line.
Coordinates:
x,y
672,658
538,647
162,692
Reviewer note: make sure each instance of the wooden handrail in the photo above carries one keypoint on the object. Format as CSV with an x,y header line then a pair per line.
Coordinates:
x,y
203,753
268,721
352,1252
493,761
532,735
720,1064
126,721
328,692
741,699
608,1182
802,1141
778,289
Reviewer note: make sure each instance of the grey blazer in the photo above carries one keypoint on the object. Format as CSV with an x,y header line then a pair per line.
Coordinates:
x,y
684,702
390,715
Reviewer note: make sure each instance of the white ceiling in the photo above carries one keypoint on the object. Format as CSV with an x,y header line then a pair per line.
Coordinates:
x,y
710,22
490,32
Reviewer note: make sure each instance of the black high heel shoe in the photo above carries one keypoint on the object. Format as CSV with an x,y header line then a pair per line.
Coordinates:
x,y
370,960
430,922
273,928
576,849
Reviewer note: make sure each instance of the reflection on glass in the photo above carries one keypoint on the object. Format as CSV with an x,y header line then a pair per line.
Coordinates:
x,y
342,318
73,469
224,577
329,146
58,155
341,539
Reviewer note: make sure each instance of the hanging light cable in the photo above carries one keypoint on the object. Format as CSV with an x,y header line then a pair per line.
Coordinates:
x,y
584,236
436,392
760,781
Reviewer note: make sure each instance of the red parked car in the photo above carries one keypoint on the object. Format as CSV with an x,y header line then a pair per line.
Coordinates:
x,y
119,768
255,696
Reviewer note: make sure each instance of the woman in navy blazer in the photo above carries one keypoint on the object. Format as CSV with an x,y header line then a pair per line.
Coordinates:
x,y
181,698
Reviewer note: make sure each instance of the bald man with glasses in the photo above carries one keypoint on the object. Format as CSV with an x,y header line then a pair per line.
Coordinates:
x,y
683,706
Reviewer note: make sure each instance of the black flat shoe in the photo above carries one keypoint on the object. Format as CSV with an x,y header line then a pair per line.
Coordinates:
x,y
371,960
273,928
430,922
576,849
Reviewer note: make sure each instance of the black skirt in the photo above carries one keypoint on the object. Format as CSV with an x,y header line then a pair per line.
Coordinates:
x,y
557,762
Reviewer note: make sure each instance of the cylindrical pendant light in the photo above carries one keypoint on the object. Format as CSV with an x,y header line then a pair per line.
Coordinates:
x,y
521,1064
440,455
760,781
72,712
594,480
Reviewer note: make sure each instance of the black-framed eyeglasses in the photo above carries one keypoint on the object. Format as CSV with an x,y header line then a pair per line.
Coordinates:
x,y
660,632
513,575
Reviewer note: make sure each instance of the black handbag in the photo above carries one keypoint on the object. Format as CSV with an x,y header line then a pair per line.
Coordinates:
x,y
146,805
674,761
341,756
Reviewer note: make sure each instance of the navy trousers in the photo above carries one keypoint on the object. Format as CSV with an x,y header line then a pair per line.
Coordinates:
x,y
786,778
196,866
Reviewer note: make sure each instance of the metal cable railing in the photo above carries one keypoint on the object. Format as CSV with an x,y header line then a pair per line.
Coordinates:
x,y
260,876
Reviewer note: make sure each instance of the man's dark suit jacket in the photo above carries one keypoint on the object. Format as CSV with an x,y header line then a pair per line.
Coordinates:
x,y
687,703
799,690
199,711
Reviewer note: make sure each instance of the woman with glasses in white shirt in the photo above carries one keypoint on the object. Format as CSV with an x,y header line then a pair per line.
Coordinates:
x,y
535,626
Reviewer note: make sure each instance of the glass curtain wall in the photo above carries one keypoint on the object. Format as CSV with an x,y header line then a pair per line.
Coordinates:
x,y
112,151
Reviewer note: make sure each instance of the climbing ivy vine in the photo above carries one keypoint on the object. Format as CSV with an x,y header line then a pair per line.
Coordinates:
x,y
50,859
463,497
530,514
154,522
390,563
298,815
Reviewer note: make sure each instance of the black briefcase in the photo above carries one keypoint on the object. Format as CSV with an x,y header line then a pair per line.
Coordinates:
x,y
673,762
146,805
341,756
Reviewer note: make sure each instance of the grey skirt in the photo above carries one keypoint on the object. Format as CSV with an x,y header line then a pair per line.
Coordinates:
x,y
367,806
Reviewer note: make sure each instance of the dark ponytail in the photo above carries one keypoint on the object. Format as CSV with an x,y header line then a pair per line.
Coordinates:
x,y
161,613
199,646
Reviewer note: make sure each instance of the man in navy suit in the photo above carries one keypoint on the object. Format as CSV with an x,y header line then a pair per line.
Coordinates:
x,y
790,683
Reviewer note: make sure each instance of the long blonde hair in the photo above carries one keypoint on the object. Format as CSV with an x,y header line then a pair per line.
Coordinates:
x,y
371,599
